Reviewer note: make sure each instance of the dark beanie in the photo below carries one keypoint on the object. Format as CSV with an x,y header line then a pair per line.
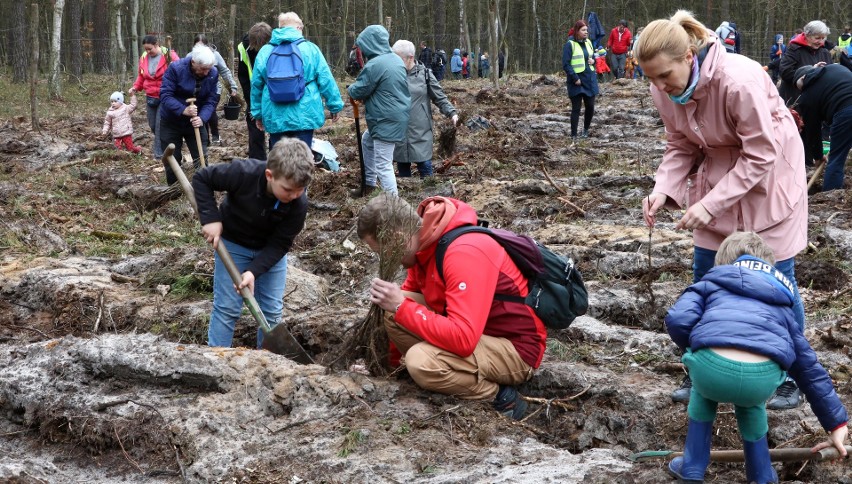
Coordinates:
x,y
801,72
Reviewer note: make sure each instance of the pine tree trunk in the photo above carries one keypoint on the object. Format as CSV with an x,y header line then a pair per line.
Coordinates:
x,y
18,42
120,53
157,16
75,49
55,83
440,28
34,52
493,30
101,36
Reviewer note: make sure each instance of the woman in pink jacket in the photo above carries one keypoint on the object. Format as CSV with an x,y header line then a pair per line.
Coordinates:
x,y
152,66
734,159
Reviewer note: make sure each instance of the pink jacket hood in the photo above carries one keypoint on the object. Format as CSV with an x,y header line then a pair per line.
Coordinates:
x,y
741,143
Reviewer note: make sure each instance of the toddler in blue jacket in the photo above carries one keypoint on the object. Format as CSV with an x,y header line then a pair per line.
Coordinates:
x,y
741,339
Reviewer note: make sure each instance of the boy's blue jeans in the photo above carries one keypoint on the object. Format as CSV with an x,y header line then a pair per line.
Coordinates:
x,y
306,135
227,302
704,259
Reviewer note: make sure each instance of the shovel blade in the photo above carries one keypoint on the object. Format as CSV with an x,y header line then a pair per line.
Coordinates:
x,y
281,342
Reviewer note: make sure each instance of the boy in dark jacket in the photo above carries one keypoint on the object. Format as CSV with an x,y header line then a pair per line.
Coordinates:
x,y
741,337
261,215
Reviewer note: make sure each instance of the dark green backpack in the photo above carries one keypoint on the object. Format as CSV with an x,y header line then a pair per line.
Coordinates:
x,y
557,293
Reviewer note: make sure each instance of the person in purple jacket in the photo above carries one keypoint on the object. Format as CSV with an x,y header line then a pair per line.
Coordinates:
x,y
741,339
263,212
195,77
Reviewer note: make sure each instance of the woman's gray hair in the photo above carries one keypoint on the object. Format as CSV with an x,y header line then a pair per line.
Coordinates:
x,y
203,56
403,48
816,27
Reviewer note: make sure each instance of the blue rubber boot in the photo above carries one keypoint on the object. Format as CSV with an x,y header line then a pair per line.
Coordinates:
x,y
758,465
696,453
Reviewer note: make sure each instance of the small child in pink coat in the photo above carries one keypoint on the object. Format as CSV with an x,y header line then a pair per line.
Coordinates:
x,y
119,123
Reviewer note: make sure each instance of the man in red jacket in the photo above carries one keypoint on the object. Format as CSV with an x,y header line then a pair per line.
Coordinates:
x,y
619,44
455,337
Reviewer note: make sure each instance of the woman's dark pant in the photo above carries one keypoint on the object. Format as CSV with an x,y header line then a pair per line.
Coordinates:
x,y
576,102
176,133
256,140
151,112
841,142
424,169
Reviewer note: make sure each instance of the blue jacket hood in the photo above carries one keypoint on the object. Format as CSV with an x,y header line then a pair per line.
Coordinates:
x,y
779,38
756,279
285,34
373,41
456,52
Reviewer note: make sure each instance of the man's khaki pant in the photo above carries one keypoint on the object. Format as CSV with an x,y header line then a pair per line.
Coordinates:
x,y
494,362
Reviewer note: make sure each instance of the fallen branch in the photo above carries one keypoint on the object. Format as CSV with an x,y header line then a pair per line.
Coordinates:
x,y
564,198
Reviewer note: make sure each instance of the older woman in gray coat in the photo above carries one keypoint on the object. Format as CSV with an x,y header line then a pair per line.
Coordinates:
x,y
423,87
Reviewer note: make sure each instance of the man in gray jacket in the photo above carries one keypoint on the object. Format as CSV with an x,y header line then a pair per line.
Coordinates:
x,y
382,87
423,88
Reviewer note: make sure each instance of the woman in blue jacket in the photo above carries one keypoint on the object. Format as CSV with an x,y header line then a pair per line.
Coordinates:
x,y
741,337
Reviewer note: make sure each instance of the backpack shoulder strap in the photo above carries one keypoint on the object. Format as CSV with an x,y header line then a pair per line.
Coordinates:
x,y
446,239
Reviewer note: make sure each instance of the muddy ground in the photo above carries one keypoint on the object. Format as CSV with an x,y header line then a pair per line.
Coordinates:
x,y
104,299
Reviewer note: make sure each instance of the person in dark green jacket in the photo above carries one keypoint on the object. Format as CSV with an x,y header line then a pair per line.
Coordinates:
x,y
382,86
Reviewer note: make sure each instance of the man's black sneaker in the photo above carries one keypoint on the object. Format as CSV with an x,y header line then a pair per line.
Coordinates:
x,y
510,403
787,396
681,394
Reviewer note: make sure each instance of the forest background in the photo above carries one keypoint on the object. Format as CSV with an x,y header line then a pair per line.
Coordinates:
x,y
73,37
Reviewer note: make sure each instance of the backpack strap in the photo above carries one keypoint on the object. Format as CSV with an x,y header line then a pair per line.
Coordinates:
x,y
445,241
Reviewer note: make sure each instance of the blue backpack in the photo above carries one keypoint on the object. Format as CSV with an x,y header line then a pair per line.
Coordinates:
x,y
285,74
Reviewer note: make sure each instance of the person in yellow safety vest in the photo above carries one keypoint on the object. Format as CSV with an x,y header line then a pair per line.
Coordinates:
x,y
578,64
845,39
257,36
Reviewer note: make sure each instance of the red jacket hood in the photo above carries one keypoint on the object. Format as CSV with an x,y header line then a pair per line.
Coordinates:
x,y
465,215
800,40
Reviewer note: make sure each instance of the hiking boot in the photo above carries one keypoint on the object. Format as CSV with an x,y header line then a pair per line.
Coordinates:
x,y
696,453
757,462
681,394
356,192
509,403
585,134
215,139
786,397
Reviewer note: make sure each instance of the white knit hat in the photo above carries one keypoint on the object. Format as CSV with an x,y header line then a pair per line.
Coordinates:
x,y
117,96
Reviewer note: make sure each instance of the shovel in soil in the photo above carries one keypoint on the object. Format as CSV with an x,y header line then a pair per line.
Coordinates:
x,y
360,148
792,454
278,340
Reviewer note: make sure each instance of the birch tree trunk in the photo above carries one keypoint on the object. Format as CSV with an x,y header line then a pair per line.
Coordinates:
x,y
55,83
135,47
461,23
34,66
493,29
538,53
120,59
18,41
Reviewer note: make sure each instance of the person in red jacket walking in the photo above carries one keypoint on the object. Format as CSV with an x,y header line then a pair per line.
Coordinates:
x,y
457,339
152,67
618,44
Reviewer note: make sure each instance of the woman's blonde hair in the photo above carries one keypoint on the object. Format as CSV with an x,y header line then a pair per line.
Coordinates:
x,y
673,37
739,244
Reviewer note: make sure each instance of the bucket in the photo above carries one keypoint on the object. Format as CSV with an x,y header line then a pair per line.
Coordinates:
x,y
232,109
